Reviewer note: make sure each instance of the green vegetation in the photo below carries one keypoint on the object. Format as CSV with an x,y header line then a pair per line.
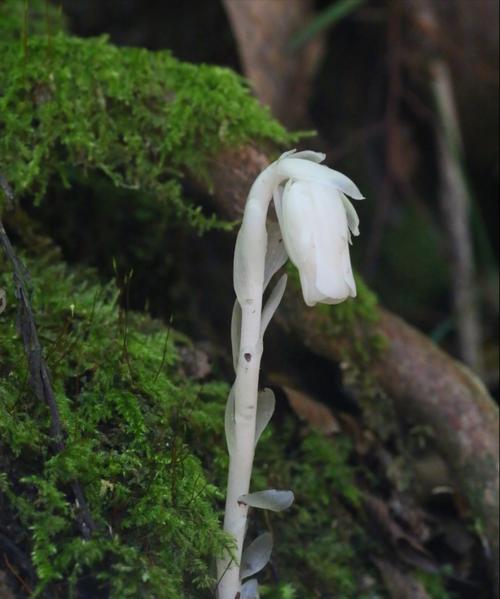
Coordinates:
x,y
130,420
142,118
315,539
147,445
144,440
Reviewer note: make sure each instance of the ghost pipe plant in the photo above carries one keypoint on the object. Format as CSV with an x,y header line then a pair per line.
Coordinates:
x,y
316,221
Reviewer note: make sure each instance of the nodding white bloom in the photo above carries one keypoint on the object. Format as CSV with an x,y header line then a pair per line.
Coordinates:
x,y
317,220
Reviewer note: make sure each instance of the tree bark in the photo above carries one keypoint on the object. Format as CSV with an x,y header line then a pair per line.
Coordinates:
x,y
280,76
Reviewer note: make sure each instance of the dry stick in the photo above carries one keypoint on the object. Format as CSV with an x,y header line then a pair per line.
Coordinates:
x,y
455,206
455,200
21,560
39,374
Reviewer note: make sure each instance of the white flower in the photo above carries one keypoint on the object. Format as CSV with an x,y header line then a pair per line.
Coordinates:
x,y
316,221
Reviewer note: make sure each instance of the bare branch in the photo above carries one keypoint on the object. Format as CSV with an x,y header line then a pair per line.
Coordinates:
x,y
39,374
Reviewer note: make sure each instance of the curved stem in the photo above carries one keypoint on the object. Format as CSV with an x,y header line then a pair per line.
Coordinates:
x,y
251,244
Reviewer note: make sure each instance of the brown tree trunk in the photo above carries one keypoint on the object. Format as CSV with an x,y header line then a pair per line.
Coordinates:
x,y
280,76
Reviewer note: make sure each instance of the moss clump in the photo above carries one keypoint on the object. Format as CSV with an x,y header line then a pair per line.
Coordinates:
x,y
147,446
318,546
434,585
129,417
142,118
21,18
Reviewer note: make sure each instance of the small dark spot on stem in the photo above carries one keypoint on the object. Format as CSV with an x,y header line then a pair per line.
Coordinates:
x,y
247,357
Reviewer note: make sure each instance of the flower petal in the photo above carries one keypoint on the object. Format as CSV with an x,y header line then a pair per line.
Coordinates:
x,y
286,154
348,274
309,155
298,222
309,290
305,170
330,243
352,215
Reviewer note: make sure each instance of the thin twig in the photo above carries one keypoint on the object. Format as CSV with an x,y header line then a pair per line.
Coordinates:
x,y
454,195
22,561
16,574
39,374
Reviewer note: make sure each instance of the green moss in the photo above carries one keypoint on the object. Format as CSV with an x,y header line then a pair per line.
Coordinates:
x,y
354,320
353,323
129,417
435,585
318,546
142,118
21,18
147,446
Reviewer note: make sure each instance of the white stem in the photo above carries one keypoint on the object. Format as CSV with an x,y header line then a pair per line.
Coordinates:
x,y
253,244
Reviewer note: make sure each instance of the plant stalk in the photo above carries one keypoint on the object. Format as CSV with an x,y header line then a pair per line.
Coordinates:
x,y
253,239
241,462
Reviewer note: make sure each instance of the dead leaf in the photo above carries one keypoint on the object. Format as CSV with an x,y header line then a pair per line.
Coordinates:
x,y
195,362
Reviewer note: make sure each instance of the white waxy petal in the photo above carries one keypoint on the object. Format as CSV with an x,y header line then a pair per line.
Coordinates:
x,y
272,499
266,403
250,589
352,215
331,243
305,170
286,154
256,555
276,255
348,274
280,192
272,304
298,222
309,155
278,203
311,295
